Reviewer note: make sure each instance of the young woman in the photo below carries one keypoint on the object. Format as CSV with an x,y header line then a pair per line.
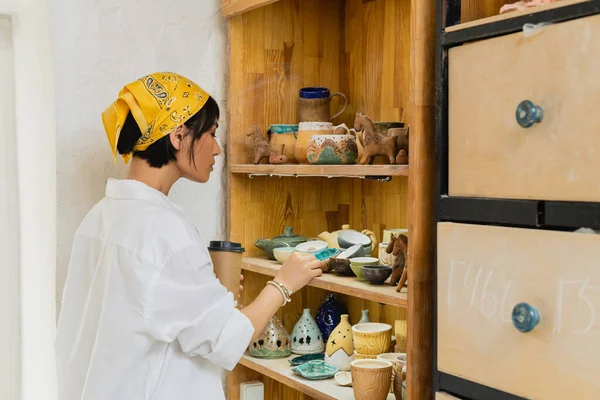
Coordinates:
x,y
143,315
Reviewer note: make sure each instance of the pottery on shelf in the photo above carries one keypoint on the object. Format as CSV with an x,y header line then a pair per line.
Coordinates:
x,y
311,246
364,317
306,130
352,252
393,358
284,135
376,274
371,379
306,358
384,257
366,238
343,378
273,342
387,233
341,266
374,143
287,239
372,338
329,315
315,370
306,336
359,356
281,254
339,351
332,150
314,104
357,263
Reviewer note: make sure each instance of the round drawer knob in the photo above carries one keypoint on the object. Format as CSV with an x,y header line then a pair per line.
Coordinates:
x,y
525,317
528,113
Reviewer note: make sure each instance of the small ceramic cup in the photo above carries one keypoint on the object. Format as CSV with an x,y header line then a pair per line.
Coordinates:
x,y
371,379
283,253
372,338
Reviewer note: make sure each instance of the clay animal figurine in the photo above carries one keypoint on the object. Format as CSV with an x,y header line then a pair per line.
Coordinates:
x,y
277,157
398,247
401,135
374,144
261,146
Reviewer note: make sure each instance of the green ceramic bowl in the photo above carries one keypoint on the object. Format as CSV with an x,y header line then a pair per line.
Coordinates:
x,y
356,264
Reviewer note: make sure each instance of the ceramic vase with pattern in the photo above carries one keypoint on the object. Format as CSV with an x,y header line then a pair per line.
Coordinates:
x,y
340,345
273,342
306,336
328,315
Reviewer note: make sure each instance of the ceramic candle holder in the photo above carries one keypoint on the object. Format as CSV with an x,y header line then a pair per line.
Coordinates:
x,y
306,336
273,342
372,338
371,379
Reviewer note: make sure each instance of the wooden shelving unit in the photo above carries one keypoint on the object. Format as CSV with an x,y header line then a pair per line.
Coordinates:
x,y
359,171
380,54
279,370
383,294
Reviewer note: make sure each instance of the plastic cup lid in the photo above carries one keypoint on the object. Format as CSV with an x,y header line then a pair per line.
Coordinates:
x,y
224,245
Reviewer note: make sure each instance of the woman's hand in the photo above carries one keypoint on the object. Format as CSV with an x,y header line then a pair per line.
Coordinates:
x,y
298,271
241,287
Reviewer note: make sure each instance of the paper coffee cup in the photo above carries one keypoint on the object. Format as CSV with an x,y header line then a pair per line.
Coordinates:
x,y
227,262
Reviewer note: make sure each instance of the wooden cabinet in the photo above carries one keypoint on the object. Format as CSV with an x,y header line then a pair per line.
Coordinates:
x,y
379,53
516,285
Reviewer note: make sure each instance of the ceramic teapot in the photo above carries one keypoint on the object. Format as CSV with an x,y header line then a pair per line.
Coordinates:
x,y
332,238
287,239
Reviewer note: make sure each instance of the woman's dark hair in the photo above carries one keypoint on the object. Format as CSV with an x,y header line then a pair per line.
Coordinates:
x,y
162,152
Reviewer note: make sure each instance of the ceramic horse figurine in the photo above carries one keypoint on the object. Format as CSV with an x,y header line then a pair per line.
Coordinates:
x,y
374,144
398,246
262,148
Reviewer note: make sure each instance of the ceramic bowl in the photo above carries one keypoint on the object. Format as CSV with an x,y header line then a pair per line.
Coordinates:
x,y
343,378
315,370
392,357
352,252
376,274
357,270
283,253
341,266
372,338
349,237
358,356
332,150
326,254
371,379
312,246
357,263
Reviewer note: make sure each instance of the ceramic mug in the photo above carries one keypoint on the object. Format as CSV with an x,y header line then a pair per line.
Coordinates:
x,y
308,129
384,257
314,104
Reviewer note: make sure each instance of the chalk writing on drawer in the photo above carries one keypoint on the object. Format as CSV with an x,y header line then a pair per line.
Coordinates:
x,y
567,306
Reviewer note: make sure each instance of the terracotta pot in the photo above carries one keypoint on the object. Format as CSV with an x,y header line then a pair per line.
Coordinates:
x,y
371,379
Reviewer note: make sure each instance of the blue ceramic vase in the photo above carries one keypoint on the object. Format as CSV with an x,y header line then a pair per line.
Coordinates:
x,y
329,315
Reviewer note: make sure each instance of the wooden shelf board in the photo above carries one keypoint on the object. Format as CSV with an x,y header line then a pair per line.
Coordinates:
x,y
321,170
351,286
513,14
280,370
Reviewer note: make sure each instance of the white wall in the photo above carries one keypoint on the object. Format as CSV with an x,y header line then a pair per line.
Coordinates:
x,y
98,46
10,354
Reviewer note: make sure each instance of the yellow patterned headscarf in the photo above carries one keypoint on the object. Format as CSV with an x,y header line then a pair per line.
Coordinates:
x,y
159,103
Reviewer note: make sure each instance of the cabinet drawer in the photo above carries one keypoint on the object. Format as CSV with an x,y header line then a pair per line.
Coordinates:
x,y
483,272
490,154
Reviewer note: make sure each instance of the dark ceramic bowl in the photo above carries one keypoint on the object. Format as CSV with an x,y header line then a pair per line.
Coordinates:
x,y
376,274
341,266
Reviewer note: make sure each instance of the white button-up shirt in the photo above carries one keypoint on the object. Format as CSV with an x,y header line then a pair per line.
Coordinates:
x,y
143,315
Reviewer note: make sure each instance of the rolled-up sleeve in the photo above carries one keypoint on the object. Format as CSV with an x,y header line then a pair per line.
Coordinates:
x,y
186,302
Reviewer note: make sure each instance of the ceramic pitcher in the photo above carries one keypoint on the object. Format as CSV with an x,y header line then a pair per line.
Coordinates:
x,y
314,104
340,346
